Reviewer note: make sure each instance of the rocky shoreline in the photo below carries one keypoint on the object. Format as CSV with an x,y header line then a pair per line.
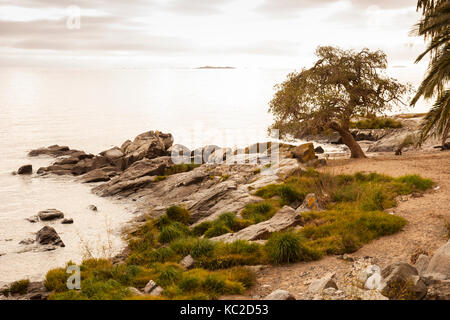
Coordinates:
x,y
145,172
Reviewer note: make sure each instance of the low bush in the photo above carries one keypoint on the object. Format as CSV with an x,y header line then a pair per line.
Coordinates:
x,y
377,123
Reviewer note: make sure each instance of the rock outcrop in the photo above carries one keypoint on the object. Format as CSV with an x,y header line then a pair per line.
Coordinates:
x,y
402,281
282,220
439,266
48,236
304,152
318,285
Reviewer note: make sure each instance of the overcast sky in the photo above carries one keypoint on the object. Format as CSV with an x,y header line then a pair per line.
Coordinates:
x,y
189,33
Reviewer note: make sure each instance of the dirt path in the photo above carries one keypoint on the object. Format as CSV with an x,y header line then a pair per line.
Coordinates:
x,y
425,228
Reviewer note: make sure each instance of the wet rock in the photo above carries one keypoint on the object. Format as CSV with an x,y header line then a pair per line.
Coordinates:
x,y
50,214
33,219
280,295
319,150
67,221
439,266
27,242
26,169
48,236
187,262
304,152
92,207
402,281
318,285
285,218
54,151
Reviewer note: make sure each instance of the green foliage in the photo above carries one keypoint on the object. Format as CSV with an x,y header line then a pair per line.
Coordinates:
x,y
180,168
217,230
202,248
17,287
287,248
341,85
261,211
345,228
56,280
377,123
415,182
178,214
201,228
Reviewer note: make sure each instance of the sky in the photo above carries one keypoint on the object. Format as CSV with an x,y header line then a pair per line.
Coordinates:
x,y
191,33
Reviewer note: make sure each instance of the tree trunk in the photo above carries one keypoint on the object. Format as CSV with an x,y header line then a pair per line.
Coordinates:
x,y
349,141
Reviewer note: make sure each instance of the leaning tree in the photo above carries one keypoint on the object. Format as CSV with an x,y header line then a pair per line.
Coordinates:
x,y
341,85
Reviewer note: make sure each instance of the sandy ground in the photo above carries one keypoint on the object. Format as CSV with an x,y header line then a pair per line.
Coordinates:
x,y
425,229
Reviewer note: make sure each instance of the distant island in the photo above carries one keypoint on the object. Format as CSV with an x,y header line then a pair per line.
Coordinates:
x,y
213,67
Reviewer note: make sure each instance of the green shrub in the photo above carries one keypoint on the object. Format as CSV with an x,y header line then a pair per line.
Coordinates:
x,y
201,228
18,287
104,290
416,182
169,275
288,194
178,214
56,280
163,254
203,248
377,123
180,168
217,230
183,246
172,232
287,248
258,212
190,283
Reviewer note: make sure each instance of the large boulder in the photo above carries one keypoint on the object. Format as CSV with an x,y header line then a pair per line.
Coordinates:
x,y
402,281
149,145
304,152
50,214
26,169
289,167
137,175
202,155
282,220
48,236
280,295
439,266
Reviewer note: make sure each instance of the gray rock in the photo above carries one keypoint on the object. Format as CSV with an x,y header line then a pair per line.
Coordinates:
x,y
27,241
27,169
156,291
50,214
285,218
422,263
187,262
48,235
67,221
55,151
92,207
150,286
280,295
402,281
135,292
318,285
439,266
